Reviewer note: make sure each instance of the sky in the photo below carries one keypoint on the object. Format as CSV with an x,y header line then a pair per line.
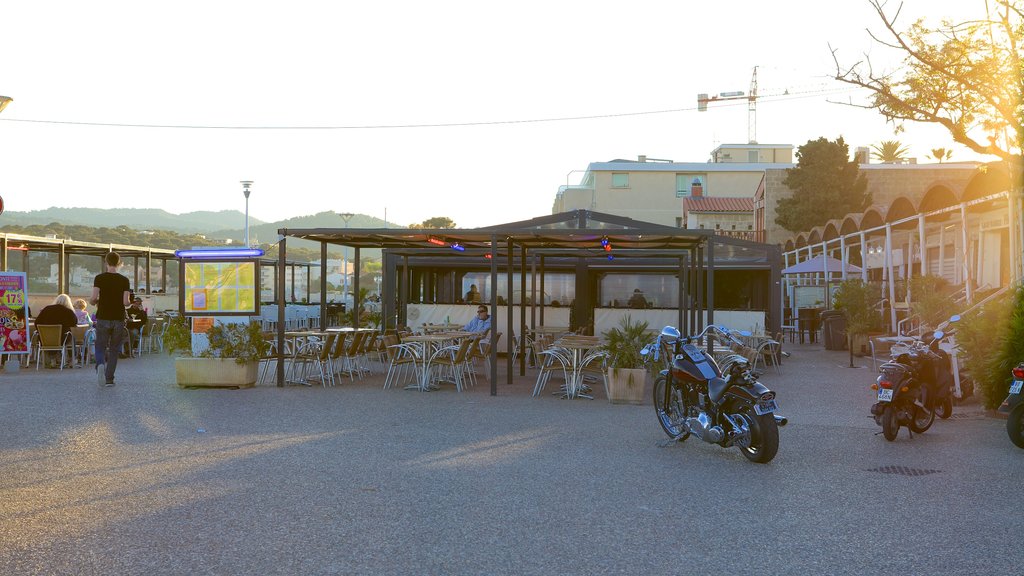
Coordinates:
x,y
408,109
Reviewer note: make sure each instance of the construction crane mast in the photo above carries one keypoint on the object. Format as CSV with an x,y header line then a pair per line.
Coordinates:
x,y
750,97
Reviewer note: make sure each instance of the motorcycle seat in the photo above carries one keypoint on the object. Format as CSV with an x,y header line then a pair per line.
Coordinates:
x,y
716,388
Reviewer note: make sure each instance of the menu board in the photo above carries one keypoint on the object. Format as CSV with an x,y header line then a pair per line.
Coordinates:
x,y
221,287
14,313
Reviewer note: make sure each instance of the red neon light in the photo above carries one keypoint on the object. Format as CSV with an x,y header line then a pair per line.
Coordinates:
x,y
436,241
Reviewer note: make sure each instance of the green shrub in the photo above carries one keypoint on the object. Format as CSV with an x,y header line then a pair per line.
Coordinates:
x,y
858,301
931,299
243,342
991,341
623,344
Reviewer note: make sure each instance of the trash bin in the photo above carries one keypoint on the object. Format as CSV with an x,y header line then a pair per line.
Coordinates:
x,y
833,330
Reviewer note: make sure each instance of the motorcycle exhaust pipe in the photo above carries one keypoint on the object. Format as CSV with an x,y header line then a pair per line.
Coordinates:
x,y
781,420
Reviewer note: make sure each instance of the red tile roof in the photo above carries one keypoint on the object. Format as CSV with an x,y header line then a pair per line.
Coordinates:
x,y
713,204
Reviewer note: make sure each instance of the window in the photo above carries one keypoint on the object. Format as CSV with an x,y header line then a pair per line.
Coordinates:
x,y
658,290
752,156
620,180
679,221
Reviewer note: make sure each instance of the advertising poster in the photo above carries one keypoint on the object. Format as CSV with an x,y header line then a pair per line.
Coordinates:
x,y
14,313
213,288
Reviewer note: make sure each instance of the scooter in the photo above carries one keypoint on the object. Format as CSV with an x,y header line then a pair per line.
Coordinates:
x,y
1015,404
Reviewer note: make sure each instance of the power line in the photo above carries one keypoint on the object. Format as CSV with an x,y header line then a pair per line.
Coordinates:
x,y
787,96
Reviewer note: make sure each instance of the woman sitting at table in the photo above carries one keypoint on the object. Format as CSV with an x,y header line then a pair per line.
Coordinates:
x,y
60,312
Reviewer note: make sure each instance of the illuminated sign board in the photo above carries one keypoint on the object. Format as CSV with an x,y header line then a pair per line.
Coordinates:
x,y
220,287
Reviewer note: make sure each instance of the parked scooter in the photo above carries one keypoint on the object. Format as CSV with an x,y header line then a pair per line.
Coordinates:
x,y
911,385
1015,403
943,378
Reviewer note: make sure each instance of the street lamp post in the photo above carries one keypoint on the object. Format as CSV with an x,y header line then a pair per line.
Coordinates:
x,y
245,190
346,216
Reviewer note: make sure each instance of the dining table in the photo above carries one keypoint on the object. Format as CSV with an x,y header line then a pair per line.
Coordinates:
x,y
427,346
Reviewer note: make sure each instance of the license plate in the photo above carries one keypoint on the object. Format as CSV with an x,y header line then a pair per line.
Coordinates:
x,y
765,407
885,395
1017,385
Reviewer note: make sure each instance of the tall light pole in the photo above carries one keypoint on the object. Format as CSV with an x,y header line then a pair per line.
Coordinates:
x,y
245,190
346,216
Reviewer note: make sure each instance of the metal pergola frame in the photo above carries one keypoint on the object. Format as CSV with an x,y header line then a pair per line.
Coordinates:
x,y
694,254
65,248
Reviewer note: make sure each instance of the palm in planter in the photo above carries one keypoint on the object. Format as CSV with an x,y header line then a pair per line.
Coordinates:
x,y
626,369
230,360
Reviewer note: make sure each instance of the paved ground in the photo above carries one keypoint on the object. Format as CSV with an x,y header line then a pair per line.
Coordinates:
x,y
149,479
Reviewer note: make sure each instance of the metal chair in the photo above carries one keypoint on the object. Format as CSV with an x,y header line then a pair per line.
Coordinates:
x,y
52,338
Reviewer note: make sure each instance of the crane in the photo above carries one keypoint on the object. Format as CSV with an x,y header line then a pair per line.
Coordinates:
x,y
750,97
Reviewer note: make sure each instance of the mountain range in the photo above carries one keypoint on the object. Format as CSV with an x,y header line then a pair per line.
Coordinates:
x,y
210,224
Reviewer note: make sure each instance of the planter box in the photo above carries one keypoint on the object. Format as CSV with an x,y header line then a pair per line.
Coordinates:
x,y
626,385
215,373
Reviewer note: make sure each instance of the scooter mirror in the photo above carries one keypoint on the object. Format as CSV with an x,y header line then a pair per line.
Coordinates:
x,y
746,333
938,335
954,318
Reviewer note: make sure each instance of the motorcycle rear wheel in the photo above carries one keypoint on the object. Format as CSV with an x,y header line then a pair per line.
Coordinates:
x,y
890,423
764,437
1015,425
670,417
922,414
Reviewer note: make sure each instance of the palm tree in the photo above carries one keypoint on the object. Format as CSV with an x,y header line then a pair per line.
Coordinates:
x,y
941,154
890,152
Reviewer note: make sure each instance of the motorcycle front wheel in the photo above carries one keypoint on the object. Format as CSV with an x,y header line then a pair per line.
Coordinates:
x,y
922,415
944,409
890,423
764,437
1015,426
671,415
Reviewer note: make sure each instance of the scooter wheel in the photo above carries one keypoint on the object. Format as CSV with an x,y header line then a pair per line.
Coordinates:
x,y
890,423
944,409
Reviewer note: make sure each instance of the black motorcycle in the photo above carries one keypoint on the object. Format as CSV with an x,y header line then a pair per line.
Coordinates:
x,y
1015,403
913,386
725,406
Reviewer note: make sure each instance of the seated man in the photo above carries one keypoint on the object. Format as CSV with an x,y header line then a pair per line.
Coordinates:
x,y
482,322
135,319
637,300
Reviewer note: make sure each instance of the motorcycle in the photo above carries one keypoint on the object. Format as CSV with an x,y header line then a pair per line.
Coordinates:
x,y
720,405
943,380
913,386
1015,403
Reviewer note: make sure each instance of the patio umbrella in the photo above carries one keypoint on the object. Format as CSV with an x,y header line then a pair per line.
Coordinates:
x,y
817,265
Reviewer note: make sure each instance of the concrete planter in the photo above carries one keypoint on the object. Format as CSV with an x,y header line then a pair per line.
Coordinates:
x,y
626,385
215,373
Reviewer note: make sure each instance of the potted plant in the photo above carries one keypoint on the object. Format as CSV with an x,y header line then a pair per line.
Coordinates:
x,y
627,375
230,361
858,302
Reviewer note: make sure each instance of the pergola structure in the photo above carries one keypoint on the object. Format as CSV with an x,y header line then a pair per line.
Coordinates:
x,y
569,239
64,249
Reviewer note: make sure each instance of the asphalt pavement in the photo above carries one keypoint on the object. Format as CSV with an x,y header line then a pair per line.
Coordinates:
x,y
146,478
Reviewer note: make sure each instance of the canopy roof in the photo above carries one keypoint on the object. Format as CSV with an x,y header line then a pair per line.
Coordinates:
x,y
564,234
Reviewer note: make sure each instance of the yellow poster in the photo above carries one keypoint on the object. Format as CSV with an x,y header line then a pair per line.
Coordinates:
x,y
220,287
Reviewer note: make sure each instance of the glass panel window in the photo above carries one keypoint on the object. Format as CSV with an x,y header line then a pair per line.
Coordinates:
x,y
559,289
620,180
752,156
639,291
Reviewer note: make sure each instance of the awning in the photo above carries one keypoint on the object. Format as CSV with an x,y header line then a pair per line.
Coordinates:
x,y
817,265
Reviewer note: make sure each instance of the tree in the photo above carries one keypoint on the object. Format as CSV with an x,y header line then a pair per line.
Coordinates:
x,y
966,77
435,223
826,184
890,152
941,154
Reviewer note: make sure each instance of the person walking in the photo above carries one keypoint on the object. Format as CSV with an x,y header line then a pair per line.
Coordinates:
x,y
110,294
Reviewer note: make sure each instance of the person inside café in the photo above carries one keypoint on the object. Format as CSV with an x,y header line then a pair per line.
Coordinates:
x,y
135,319
637,300
473,296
